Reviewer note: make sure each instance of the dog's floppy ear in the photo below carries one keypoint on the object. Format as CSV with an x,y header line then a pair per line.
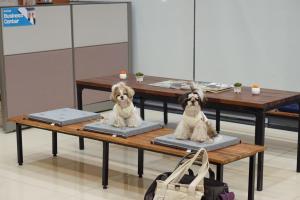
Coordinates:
x,y
202,98
113,92
202,102
182,100
200,93
130,92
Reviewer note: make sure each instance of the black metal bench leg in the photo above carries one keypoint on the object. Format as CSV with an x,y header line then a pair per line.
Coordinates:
x,y
260,140
165,112
81,143
220,170
298,146
251,182
105,159
54,143
79,90
142,107
218,120
19,143
140,162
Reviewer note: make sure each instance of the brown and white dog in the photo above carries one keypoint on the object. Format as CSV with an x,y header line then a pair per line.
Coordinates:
x,y
124,113
194,125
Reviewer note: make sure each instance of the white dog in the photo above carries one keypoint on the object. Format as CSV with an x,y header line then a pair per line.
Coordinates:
x,y
124,113
194,124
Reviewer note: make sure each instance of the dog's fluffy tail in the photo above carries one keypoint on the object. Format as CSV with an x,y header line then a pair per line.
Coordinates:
x,y
211,131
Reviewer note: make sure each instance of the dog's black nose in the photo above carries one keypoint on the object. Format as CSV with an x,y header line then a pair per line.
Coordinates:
x,y
122,97
193,102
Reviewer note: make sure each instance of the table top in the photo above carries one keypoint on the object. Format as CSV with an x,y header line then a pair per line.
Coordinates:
x,y
220,156
267,100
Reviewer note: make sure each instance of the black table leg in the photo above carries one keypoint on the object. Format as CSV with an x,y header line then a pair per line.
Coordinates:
x,y
260,140
142,107
218,120
140,162
165,112
298,146
19,143
81,143
251,182
54,143
79,90
220,170
105,160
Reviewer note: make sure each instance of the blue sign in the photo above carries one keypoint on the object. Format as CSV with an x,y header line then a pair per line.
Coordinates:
x,y
18,17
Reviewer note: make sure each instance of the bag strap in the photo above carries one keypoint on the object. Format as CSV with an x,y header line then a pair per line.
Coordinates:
x,y
201,173
182,169
211,172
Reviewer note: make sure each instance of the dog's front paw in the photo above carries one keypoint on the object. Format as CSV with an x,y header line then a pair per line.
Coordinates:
x,y
119,123
132,125
198,137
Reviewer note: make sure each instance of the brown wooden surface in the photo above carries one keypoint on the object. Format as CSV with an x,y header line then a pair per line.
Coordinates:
x,y
221,156
268,98
278,113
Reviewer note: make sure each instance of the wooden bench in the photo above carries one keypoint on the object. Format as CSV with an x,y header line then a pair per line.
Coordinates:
x,y
142,142
278,113
283,120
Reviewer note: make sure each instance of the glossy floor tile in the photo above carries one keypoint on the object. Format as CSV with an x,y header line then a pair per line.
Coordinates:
x,y
76,175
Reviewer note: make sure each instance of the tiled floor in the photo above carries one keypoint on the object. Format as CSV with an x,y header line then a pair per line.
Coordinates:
x,y
76,175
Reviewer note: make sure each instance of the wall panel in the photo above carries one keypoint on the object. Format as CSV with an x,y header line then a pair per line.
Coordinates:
x,y
249,41
163,37
99,24
98,61
37,82
51,32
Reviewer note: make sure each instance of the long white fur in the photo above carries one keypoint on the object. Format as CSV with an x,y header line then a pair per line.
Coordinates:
x,y
194,125
124,113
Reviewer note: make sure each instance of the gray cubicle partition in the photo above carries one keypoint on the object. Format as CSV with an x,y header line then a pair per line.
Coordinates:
x,y
40,63
100,51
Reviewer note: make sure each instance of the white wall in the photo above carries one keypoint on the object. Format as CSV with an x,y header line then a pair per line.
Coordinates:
x,y
249,41
163,37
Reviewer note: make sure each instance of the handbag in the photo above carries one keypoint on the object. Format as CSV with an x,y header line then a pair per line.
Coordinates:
x,y
212,188
172,189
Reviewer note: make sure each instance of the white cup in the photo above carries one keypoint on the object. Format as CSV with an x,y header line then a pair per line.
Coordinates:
x,y
123,76
255,90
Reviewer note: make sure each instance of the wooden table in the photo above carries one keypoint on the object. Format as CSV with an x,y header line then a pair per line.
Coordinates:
x,y
228,100
141,142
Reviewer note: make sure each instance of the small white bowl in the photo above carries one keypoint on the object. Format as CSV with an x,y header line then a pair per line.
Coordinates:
x,y
123,76
255,90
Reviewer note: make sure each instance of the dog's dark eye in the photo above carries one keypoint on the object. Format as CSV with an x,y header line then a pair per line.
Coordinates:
x,y
125,94
118,95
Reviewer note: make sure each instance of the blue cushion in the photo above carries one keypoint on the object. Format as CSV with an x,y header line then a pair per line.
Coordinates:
x,y
293,108
125,132
219,142
64,116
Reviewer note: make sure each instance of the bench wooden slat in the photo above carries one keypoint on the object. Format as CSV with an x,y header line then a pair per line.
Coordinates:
x,y
278,113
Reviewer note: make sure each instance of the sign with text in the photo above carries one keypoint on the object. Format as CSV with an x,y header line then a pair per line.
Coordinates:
x,y
22,16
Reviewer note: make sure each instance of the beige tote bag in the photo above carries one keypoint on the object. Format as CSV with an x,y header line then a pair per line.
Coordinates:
x,y
170,189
